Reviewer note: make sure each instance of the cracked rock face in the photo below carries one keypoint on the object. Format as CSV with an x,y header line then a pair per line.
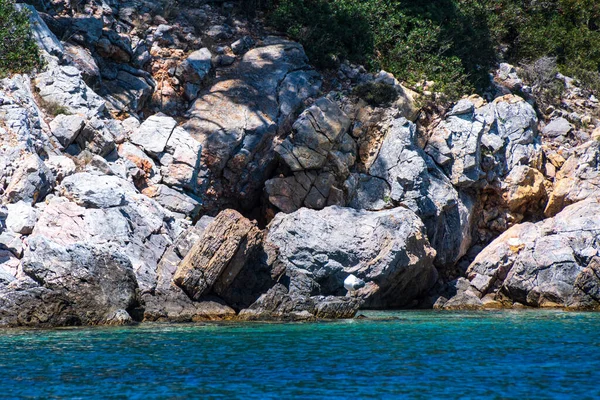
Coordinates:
x,y
578,179
387,249
237,118
552,263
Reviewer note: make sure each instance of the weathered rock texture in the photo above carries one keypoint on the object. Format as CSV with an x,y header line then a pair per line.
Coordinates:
x,y
552,263
388,249
133,165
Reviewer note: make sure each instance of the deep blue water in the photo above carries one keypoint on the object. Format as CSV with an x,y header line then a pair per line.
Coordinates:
x,y
504,354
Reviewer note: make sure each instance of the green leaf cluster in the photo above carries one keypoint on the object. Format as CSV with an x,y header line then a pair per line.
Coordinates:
x,y
18,50
452,42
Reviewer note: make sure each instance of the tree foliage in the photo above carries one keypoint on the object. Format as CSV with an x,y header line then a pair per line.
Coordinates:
x,y
452,42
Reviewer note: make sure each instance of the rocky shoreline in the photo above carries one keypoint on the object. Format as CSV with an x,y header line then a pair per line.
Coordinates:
x,y
161,170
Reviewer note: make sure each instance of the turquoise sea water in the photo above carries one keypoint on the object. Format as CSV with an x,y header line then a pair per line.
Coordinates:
x,y
504,354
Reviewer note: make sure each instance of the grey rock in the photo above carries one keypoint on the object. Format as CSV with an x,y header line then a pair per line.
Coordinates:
x,y
455,145
92,191
368,192
96,136
315,133
237,118
11,242
63,86
219,32
95,280
552,263
242,45
65,128
43,37
21,218
418,183
181,160
140,227
147,166
61,166
31,182
557,127
387,249
129,91
195,67
174,200
153,134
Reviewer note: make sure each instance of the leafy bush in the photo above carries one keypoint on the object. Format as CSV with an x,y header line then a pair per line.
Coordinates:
x,y
428,40
328,30
18,51
452,42
541,75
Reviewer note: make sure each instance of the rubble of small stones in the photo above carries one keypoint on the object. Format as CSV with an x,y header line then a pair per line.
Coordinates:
x,y
183,165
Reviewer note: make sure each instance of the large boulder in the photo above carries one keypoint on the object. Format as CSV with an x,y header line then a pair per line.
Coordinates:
x,y
552,263
388,249
315,134
116,213
417,182
213,263
154,133
69,285
31,182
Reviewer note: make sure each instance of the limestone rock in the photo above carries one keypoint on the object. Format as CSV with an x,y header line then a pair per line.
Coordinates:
x,y
174,200
154,133
557,127
524,189
63,87
97,137
181,161
578,179
237,118
31,182
315,134
387,249
139,227
21,218
96,281
552,263
65,128
93,191
195,67
219,257
416,181
43,37
455,144
242,45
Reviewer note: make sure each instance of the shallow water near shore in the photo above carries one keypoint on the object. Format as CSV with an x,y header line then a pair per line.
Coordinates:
x,y
494,354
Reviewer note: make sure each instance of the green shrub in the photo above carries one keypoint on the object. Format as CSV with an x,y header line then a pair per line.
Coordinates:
x,y
541,75
328,30
429,40
18,51
452,42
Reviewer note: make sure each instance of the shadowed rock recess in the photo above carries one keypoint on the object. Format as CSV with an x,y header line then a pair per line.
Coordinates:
x,y
166,170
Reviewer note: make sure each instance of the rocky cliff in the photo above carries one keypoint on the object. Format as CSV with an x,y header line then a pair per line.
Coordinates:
x,y
196,167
